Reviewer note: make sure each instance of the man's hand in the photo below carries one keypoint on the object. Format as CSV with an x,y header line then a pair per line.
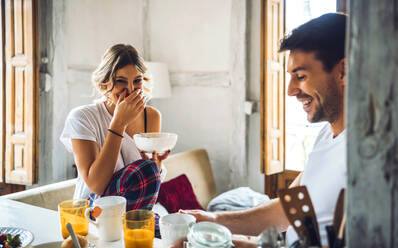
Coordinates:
x,y
201,215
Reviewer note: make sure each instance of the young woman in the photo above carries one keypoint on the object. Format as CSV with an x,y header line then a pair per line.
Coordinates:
x,y
100,135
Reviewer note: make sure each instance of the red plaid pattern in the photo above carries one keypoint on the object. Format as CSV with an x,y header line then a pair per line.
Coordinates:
x,y
139,183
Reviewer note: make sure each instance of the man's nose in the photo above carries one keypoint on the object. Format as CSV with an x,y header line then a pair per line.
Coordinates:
x,y
292,89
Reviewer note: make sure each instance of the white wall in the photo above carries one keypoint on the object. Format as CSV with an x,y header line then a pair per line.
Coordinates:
x,y
93,26
191,42
191,37
82,30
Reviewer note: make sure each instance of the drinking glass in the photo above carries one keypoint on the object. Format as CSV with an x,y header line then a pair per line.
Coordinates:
x,y
72,211
139,229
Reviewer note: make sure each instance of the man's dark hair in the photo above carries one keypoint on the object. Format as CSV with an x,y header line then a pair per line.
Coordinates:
x,y
324,35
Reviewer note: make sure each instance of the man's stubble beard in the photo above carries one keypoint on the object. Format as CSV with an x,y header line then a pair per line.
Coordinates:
x,y
328,109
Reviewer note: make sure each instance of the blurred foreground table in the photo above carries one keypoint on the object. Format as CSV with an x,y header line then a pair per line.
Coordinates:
x,y
44,224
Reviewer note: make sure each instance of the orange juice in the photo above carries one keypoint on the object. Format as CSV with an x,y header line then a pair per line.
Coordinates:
x,y
138,238
73,212
80,227
139,228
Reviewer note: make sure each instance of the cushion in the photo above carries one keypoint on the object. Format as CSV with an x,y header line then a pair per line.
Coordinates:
x,y
237,199
196,165
47,196
178,194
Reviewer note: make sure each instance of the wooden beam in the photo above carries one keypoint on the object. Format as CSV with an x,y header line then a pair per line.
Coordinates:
x,y
201,79
218,79
372,121
2,91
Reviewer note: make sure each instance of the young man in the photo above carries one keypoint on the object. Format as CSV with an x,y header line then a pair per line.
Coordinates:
x,y
317,68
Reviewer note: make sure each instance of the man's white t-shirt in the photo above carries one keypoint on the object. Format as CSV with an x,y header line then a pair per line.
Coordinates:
x,y
91,122
324,176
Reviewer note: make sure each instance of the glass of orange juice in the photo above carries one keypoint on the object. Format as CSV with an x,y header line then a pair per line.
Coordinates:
x,y
72,211
139,229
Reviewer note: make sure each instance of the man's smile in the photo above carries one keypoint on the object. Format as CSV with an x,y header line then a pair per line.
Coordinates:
x,y
307,105
306,100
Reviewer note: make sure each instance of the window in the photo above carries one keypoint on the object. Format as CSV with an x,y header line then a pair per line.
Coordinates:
x,y
19,100
272,88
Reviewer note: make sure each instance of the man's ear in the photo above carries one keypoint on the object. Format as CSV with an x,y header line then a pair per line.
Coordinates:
x,y
341,71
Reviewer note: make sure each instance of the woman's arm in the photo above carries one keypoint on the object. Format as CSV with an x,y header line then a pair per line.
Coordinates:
x,y
96,166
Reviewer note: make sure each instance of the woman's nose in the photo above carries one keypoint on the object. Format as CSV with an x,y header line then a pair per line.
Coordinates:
x,y
132,87
137,87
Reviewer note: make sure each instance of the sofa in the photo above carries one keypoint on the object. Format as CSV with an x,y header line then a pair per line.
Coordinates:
x,y
195,164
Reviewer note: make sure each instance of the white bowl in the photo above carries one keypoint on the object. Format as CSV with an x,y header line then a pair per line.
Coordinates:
x,y
159,142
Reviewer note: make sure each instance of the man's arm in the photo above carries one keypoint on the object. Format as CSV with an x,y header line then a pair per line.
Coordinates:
x,y
254,220
251,221
248,222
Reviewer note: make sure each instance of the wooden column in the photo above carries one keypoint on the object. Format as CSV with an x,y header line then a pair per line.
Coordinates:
x,y
238,78
341,6
372,119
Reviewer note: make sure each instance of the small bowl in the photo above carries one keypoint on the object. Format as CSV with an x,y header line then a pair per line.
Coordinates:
x,y
159,142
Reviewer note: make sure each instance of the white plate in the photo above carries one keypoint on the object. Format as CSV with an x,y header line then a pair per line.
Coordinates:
x,y
25,236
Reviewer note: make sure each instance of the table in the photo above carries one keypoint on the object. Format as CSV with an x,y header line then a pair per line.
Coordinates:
x,y
44,224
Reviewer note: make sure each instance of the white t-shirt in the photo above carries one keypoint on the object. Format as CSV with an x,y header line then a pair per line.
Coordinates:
x,y
90,122
324,176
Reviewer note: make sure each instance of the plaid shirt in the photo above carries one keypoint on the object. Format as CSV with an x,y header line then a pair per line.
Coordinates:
x,y
139,183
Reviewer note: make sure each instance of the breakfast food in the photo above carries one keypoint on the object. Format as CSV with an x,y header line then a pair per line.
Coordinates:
x,y
68,243
9,241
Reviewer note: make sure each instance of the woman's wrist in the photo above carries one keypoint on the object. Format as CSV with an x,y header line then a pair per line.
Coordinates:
x,y
117,127
115,133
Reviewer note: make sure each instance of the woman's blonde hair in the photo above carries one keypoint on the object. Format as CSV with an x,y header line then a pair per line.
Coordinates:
x,y
115,58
